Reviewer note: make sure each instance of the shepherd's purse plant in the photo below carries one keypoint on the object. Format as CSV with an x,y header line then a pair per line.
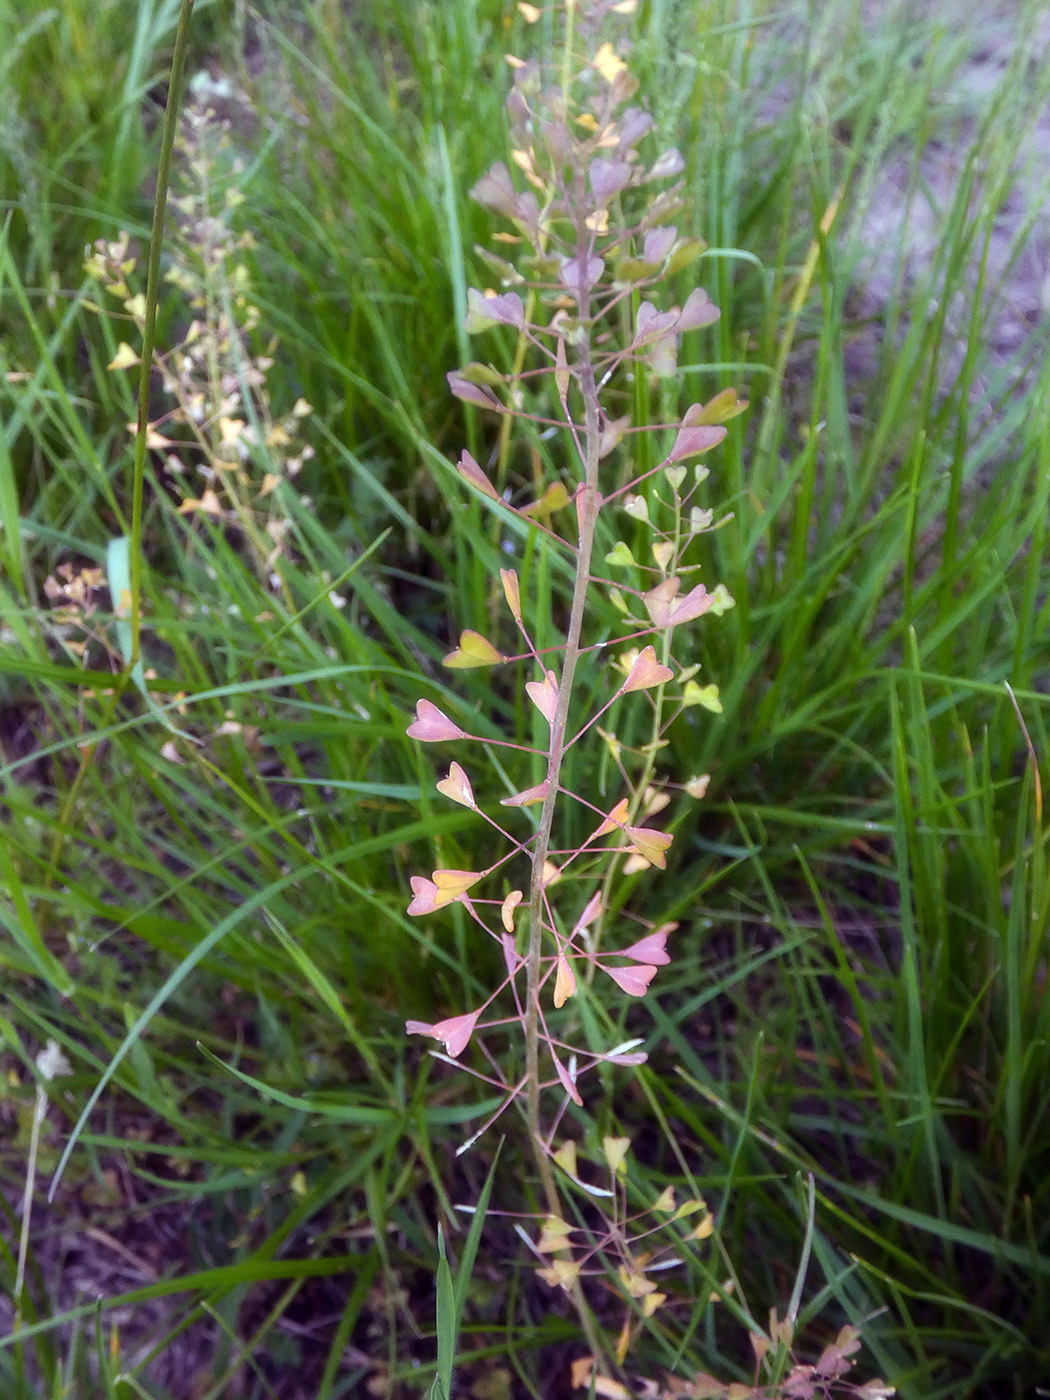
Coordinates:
x,y
591,239
591,215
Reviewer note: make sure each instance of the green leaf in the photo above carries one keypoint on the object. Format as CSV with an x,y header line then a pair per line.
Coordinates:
x,y
118,576
470,1248
452,1297
447,1324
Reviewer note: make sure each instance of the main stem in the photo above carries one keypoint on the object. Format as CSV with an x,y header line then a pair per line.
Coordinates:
x,y
556,752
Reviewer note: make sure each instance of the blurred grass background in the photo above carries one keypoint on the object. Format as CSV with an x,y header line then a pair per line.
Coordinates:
x,y
859,983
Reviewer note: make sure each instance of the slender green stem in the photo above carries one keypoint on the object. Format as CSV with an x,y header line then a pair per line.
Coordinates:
x,y
149,331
